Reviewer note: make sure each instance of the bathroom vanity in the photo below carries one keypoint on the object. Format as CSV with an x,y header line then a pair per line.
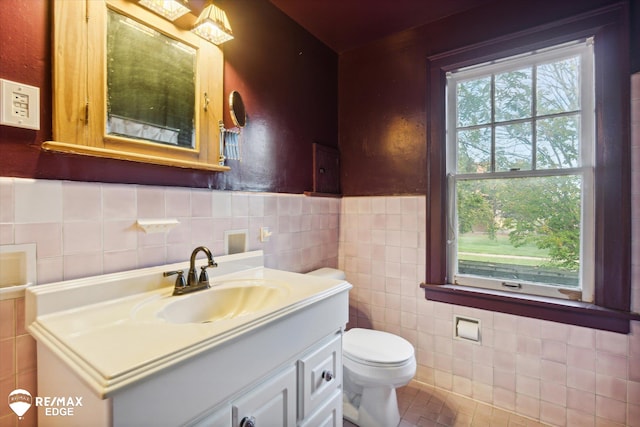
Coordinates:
x,y
261,347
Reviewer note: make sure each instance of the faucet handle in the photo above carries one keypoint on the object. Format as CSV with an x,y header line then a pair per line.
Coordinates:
x,y
180,280
204,277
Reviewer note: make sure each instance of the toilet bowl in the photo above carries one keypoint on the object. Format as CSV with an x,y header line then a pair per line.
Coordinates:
x,y
375,363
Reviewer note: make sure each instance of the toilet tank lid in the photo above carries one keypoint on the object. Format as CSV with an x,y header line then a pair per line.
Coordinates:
x,y
376,346
331,273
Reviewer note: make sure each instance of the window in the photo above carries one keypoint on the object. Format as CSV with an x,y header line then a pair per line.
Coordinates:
x,y
520,171
608,170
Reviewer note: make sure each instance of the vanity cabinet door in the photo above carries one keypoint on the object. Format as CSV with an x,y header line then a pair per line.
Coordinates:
x,y
319,375
272,403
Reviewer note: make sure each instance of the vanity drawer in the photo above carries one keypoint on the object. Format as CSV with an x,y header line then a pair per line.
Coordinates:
x,y
329,414
319,375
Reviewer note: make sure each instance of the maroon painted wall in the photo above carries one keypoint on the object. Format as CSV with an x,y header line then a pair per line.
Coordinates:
x,y
383,91
288,80
289,84
25,57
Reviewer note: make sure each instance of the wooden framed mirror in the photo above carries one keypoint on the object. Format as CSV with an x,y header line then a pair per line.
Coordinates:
x,y
128,84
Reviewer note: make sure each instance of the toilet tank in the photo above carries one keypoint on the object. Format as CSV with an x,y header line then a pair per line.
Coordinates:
x,y
330,273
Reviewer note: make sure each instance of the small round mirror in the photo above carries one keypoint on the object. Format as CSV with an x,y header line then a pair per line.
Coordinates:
x,y
236,108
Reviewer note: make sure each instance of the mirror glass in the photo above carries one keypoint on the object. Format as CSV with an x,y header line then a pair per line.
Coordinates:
x,y
150,84
237,110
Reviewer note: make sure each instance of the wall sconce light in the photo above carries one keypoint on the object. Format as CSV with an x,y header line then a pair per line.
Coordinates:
x,y
213,25
170,9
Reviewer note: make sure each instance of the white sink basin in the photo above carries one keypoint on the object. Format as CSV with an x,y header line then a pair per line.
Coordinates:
x,y
225,300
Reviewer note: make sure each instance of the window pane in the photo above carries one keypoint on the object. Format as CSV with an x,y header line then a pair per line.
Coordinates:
x,y
513,147
513,95
474,102
474,150
558,145
522,229
558,86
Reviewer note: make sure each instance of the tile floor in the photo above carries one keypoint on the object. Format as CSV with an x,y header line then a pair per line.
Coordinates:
x,y
422,405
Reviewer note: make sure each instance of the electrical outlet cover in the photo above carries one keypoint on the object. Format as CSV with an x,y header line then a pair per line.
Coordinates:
x,y
19,105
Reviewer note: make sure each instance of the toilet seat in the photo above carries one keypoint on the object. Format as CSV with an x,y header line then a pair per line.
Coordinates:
x,y
376,348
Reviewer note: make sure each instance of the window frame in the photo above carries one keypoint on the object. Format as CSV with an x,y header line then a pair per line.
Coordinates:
x,y
583,49
612,277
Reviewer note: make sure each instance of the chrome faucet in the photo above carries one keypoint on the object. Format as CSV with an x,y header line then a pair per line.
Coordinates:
x,y
193,282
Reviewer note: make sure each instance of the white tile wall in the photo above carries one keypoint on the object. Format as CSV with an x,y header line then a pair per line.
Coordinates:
x,y
555,373
84,229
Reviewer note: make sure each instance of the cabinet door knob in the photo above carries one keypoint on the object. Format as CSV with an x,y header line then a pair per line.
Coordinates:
x,y
248,422
327,375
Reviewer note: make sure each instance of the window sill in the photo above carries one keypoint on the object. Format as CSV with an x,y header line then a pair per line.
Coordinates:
x,y
562,311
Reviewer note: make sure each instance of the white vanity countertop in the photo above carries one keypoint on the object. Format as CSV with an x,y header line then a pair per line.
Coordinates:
x,y
122,339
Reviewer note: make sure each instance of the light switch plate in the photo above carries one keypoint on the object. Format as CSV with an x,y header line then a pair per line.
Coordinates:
x,y
19,105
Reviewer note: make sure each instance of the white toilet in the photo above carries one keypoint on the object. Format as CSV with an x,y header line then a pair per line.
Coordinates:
x,y
375,363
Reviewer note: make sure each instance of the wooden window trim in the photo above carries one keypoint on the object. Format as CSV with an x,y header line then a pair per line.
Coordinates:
x,y
611,307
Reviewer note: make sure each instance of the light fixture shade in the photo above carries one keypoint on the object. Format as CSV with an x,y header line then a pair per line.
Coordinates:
x,y
170,9
213,25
